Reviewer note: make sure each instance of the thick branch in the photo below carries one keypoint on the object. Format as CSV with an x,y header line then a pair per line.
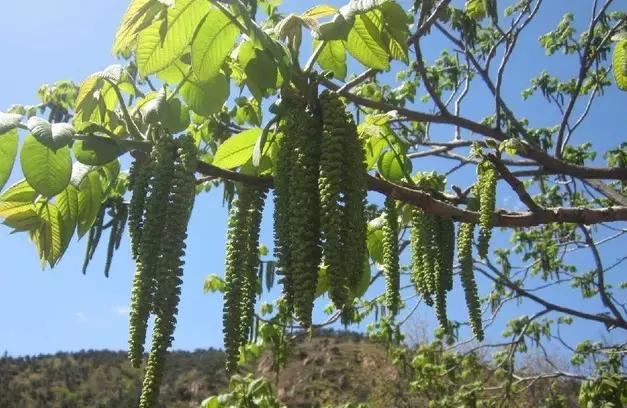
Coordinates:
x,y
431,205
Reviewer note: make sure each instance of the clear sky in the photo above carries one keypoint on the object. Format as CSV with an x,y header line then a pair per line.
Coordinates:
x,y
44,311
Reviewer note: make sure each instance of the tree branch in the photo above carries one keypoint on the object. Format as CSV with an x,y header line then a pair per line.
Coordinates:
x,y
501,218
528,150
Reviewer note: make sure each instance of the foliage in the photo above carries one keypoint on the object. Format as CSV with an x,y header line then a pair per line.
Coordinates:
x,y
106,379
290,121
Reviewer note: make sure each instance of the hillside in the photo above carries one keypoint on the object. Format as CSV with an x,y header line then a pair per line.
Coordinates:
x,y
104,379
327,370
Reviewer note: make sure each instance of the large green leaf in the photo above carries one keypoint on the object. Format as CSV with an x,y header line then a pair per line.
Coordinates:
x,y
174,115
164,41
261,73
206,98
333,58
23,218
392,23
138,16
619,64
90,197
47,170
375,242
8,151
20,191
48,237
394,167
16,204
95,151
212,43
365,44
237,149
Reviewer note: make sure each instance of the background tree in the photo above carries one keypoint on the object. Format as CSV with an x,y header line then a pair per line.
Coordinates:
x,y
169,109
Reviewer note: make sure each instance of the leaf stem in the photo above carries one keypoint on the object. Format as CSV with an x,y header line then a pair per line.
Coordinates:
x,y
314,57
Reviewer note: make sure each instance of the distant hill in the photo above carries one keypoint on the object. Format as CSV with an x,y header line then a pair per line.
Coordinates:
x,y
104,379
330,369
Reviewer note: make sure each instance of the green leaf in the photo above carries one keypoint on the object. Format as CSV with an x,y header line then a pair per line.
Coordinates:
x,y
213,284
393,26
90,197
23,218
237,150
164,41
360,287
261,73
175,72
364,43
390,166
174,116
323,284
619,64
48,238
48,171
212,43
20,191
206,98
475,9
333,58
375,243
8,150
138,16
9,121
67,203
16,201
319,11
95,151
336,29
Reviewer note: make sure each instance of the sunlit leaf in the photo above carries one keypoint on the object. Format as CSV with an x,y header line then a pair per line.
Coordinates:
x,y
164,41
8,151
213,42
237,150
47,170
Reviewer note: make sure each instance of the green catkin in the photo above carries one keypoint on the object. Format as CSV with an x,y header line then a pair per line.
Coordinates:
x,y
93,239
355,225
249,286
149,257
391,267
123,218
170,269
443,243
447,250
139,178
417,238
343,190
304,201
487,200
113,234
282,245
331,184
235,259
464,254
429,251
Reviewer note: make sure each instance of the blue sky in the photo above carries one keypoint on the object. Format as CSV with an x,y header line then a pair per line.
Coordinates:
x,y
45,311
